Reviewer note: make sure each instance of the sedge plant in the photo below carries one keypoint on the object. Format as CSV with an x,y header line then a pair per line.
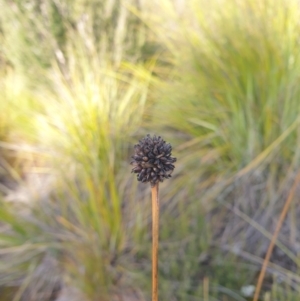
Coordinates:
x,y
153,162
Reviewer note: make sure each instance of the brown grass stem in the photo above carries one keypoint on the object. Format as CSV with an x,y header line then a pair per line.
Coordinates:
x,y
274,238
155,234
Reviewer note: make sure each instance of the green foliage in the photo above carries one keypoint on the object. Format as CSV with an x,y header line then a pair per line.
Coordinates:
x,y
79,84
89,121
36,33
235,89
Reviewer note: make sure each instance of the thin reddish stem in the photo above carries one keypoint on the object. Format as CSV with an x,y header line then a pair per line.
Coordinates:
x,y
155,234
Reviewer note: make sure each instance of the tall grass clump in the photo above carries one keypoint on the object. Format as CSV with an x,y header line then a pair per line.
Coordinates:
x,y
240,70
76,60
233,97
89,119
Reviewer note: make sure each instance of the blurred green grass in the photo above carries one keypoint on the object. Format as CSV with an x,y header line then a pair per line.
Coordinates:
x,y
82,81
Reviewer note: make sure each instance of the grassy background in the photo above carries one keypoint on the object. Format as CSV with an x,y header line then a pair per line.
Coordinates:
x,y
81,81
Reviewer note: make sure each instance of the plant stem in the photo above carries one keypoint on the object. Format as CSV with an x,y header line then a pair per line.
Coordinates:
x,y
274,237
155,231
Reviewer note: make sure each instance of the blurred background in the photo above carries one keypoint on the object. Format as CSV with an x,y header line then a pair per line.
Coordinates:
x,y
82,81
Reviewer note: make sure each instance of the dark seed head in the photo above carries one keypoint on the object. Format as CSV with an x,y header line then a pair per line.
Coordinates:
x,y
151,160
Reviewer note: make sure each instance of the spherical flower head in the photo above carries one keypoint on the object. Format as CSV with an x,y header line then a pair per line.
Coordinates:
x,y
152,160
